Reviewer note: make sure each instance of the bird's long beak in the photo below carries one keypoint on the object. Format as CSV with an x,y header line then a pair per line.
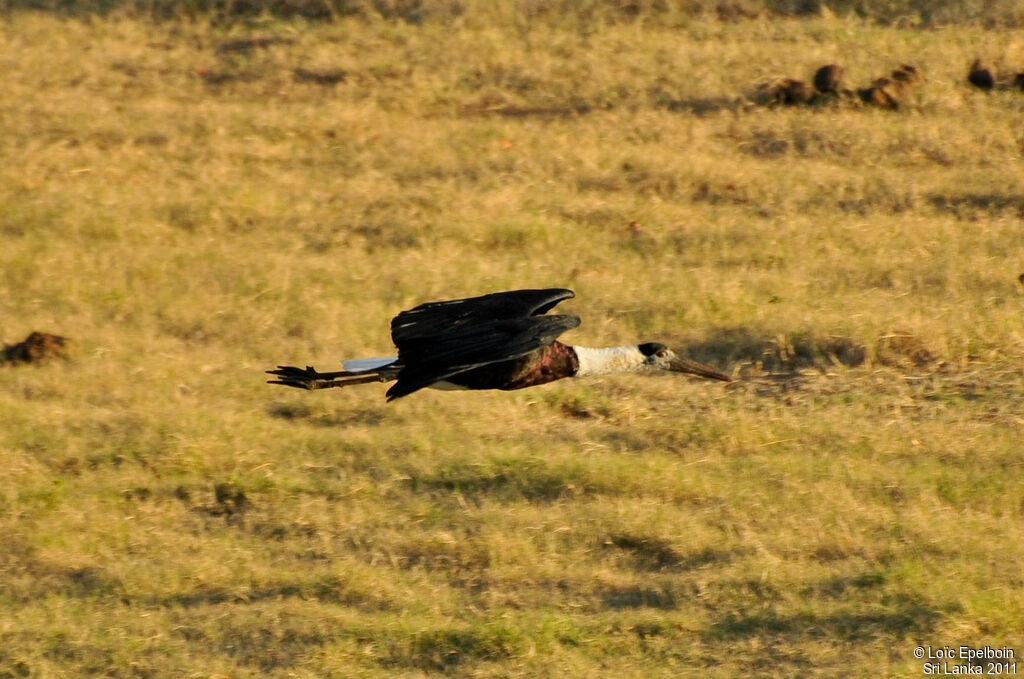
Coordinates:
x,y
686,365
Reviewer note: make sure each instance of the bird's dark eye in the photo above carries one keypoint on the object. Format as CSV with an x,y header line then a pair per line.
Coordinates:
x,y
662,353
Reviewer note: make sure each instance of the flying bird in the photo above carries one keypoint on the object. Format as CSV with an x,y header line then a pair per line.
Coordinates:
x,y
503,340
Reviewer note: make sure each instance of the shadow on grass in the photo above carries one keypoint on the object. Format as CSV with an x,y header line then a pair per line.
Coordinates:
x,y
640,597
793,350
656,554
510,479
782,352
561,14
327,589
444,649
302,412
31,579
973,205
703,106
512,111
840,586
901,620
316,10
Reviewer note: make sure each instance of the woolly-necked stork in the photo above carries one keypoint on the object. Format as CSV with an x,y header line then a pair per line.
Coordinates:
x,y
499,341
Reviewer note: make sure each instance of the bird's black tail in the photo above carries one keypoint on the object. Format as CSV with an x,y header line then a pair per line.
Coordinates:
x,y
309,378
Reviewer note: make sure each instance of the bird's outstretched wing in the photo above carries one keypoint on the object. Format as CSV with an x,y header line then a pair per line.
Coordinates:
x,y
437,318
441,339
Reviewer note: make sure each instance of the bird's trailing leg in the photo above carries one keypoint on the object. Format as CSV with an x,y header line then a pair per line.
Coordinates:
x,y
309,378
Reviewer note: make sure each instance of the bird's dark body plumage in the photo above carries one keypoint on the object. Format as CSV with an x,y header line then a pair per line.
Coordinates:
x,y
446,341
540,366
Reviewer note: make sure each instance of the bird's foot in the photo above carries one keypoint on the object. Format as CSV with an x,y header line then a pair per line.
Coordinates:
x,y
300,378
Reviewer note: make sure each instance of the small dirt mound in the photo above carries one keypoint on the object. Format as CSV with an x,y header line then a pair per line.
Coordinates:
x,y
889,91
828,78
37,348
901,348
882,94
783,92
908,74
980,76
886,92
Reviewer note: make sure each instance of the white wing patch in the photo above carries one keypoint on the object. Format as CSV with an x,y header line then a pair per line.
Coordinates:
x,y
362,365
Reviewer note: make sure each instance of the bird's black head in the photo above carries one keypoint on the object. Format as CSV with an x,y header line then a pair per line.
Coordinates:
x,y
651,348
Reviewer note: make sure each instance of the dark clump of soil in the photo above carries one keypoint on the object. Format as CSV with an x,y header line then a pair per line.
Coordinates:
x,y
980,76
37,348
886,92
985,77
828,78
882,94
908,74
789,92
889,91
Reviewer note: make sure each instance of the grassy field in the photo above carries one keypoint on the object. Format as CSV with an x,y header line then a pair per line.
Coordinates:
x,y
193,209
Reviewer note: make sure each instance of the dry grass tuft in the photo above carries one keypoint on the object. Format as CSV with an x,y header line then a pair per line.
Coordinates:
x,y
900,347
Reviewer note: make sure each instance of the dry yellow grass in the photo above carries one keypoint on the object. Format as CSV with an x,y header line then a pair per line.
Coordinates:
x,y
191,211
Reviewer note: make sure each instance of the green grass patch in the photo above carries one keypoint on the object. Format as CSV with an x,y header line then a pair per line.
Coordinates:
x,y
240,185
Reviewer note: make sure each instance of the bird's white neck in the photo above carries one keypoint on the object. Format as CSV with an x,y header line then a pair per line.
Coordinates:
x,y
609,360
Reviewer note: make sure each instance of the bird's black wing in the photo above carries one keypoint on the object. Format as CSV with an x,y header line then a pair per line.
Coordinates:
x,y
441,339
438,318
